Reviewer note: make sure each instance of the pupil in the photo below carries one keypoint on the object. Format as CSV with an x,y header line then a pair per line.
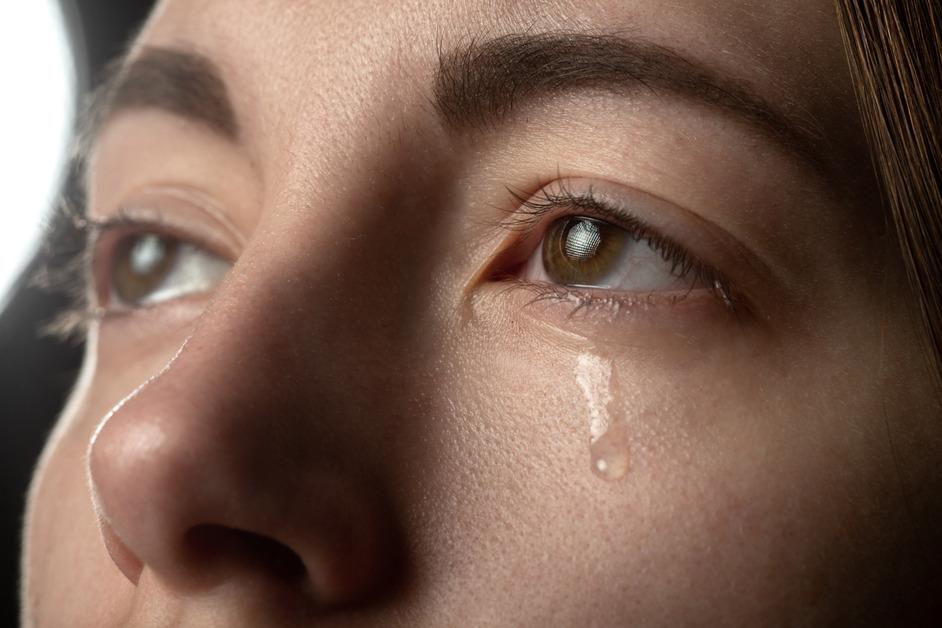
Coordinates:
x,y
582,240
147,254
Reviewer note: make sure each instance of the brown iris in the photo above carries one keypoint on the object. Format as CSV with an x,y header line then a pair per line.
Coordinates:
x,y
141,264
581,251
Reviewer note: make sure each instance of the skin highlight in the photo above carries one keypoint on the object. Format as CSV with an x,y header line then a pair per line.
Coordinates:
x,y
362,425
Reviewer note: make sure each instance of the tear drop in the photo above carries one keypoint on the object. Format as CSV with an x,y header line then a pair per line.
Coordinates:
x,y
610,452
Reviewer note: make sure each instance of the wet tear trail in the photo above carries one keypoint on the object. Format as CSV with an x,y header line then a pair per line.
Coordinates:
x,y
608,437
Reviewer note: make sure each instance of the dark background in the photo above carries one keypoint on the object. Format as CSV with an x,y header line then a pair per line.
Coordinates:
x,y
37,372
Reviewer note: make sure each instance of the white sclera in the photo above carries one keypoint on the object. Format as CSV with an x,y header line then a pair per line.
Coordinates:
x,y
193,269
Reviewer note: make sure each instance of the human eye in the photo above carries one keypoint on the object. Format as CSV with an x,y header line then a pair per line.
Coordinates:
x,y
585,252
588,248
138,265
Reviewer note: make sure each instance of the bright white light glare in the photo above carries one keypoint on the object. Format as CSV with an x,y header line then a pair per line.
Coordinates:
x,y
36,112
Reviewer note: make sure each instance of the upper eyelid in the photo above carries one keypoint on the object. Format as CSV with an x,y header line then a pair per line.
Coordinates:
x,y
537,209
125,224
162,202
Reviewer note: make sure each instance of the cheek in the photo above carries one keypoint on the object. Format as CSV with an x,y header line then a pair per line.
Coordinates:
x,y
64,546
749,488
70,577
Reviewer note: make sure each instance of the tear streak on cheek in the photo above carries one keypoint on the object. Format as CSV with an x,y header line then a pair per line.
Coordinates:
x,y
608,439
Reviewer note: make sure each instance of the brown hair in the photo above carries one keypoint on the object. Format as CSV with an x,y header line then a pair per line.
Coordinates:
x,y
894,49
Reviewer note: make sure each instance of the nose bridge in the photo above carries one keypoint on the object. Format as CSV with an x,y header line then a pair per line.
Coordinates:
x,y
340,275
351,240
271,420
276,419
356,174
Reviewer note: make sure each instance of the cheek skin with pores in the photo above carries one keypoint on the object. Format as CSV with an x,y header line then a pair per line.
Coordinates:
x,y
624,417
639,381
619,378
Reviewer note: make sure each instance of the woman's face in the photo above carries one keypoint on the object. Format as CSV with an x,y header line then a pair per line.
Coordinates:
x,y
486,313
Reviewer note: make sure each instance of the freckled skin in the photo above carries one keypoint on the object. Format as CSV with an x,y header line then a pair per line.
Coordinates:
x,y
364,430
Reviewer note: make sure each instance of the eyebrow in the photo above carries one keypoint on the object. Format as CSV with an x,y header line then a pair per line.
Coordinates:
x,y
184,83
482,83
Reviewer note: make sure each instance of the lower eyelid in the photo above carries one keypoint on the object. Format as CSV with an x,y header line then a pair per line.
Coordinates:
x,y
582,297
605,317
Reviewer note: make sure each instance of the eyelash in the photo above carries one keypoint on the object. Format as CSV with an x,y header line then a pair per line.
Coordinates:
x,y
533,211
76,263
77,279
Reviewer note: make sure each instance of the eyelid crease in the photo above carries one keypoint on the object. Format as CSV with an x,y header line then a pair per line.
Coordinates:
x,y
147,204
129,221
202,202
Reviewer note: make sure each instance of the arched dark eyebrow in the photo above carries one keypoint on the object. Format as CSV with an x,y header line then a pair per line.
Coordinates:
x,y
180,82
480,83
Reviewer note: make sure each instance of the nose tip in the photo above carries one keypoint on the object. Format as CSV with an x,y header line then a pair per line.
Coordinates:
x,y
205,500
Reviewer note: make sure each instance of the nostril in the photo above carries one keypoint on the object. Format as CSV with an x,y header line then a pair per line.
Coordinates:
x,y
220,549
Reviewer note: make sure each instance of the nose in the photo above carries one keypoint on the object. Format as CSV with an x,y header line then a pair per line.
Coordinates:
x,y
216,471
